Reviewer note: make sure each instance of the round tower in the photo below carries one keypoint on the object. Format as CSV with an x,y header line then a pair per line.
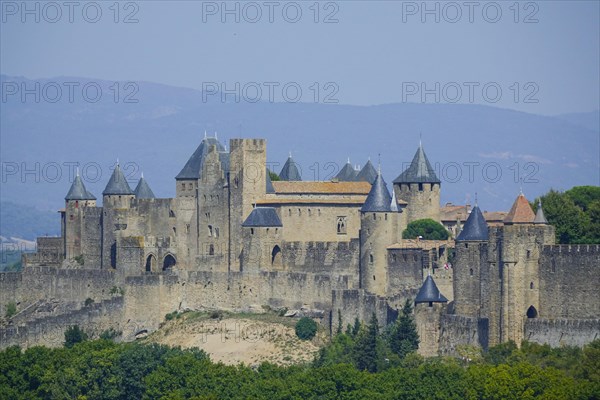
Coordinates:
x,y
378,230
470,265
76,200
419,186
429,306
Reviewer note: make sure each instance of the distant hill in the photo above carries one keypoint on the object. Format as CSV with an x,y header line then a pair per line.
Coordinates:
x,y
588,120
26,222
159,133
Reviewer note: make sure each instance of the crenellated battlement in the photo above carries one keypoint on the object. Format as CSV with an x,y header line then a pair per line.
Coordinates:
x,y
571,248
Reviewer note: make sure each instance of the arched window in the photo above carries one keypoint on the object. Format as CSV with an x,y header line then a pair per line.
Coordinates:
x,y
210,230
169,262
371,258
211,250
531,285
341,225
532,312
471,271
150,263
276,257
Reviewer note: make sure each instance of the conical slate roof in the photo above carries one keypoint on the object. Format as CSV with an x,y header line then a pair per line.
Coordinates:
x,y
78,191
193,167
263,217
347,173
142,190
117,184
429,292
269,185
475,228
379,198
419,171
540,218
290,172
520,212
367,174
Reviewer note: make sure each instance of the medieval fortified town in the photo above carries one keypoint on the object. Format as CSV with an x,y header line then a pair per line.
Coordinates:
x,y
232,238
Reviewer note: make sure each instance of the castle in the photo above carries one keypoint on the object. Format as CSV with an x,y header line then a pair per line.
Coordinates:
x,y
232,238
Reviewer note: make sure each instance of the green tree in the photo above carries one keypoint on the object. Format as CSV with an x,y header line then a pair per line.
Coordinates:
x,y
306,328
570,222
583,196
274,177
365,353
11,309
339,328
356,327
404,337
74,335
427,228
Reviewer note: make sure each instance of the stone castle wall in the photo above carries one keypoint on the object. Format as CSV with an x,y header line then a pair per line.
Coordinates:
x,y
459,330
569,281
562,332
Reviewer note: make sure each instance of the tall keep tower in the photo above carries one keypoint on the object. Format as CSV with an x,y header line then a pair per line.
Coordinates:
x,y
116,202
379,228
519,247
419,186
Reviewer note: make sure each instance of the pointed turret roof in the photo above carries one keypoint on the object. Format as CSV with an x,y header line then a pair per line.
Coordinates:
x,y
142,190
419,171
475,228
347,173
263,217
540,218
290,172
429,292
269,184
193,167
117,183
78,191
520,212
367,174
379,198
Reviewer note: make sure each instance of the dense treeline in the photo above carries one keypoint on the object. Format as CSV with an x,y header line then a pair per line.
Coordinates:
x,y
360,363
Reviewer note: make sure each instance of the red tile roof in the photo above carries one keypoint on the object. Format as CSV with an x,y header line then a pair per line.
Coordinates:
x,y
520,213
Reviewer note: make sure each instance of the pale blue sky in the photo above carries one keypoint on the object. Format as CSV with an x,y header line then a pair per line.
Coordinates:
x,y
369,53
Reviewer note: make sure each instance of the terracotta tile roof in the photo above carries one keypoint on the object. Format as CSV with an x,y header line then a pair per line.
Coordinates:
x,y
300,187
451,212
520,213
420,244
491,216
356,201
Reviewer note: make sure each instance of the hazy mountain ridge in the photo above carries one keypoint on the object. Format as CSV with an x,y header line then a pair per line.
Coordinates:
x,y
159,132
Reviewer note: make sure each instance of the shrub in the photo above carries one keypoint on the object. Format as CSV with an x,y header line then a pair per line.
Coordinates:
x,y
117,291
11,309
79,259
216,314
306,328
74,335
110,334
171,315
89,302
